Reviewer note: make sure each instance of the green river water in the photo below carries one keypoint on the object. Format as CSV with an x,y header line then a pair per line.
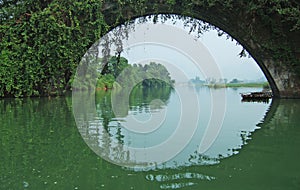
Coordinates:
x,y
41,146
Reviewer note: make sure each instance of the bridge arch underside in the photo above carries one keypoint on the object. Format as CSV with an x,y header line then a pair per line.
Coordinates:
x,y
276,52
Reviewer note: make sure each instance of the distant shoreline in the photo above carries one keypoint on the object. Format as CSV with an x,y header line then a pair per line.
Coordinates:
x,y
240,85
264,85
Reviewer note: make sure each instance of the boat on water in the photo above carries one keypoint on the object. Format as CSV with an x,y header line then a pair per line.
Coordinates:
x,y
259,96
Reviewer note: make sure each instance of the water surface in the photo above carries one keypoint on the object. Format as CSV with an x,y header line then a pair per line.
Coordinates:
x,y
42,148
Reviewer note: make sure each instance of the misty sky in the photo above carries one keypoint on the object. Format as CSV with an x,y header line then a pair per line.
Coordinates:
x,y
225,53
173,45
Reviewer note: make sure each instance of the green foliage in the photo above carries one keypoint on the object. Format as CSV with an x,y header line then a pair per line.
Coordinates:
x,y
115,66
120,71
106,81
42,43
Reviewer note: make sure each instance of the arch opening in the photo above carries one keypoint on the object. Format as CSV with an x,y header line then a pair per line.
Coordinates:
x,y
198,29
189,100
276,54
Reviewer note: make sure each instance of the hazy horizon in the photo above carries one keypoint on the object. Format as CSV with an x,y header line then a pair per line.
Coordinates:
x,y
212,49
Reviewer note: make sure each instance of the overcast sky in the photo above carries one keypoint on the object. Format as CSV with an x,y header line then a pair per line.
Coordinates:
x,y
173,45
226,55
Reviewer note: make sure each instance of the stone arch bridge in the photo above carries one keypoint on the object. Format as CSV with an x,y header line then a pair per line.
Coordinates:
x,y
267,36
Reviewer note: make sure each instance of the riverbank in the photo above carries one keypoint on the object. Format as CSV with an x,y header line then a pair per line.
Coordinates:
x,y
264,85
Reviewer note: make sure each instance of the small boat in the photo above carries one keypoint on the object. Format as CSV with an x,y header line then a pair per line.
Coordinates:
x,y
257,95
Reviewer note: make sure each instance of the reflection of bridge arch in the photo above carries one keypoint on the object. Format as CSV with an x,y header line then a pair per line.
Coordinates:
x,y
277,53
270,159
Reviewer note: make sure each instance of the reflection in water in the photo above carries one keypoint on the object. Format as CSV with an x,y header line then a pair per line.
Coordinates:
x,y
168,180
109,137
41,149
256,100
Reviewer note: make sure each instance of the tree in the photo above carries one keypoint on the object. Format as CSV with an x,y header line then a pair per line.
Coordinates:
x,y
234,81
126,75
42,43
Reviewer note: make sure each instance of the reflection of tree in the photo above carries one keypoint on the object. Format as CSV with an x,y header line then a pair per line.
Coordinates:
x,y
140,97
104,107
109,133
